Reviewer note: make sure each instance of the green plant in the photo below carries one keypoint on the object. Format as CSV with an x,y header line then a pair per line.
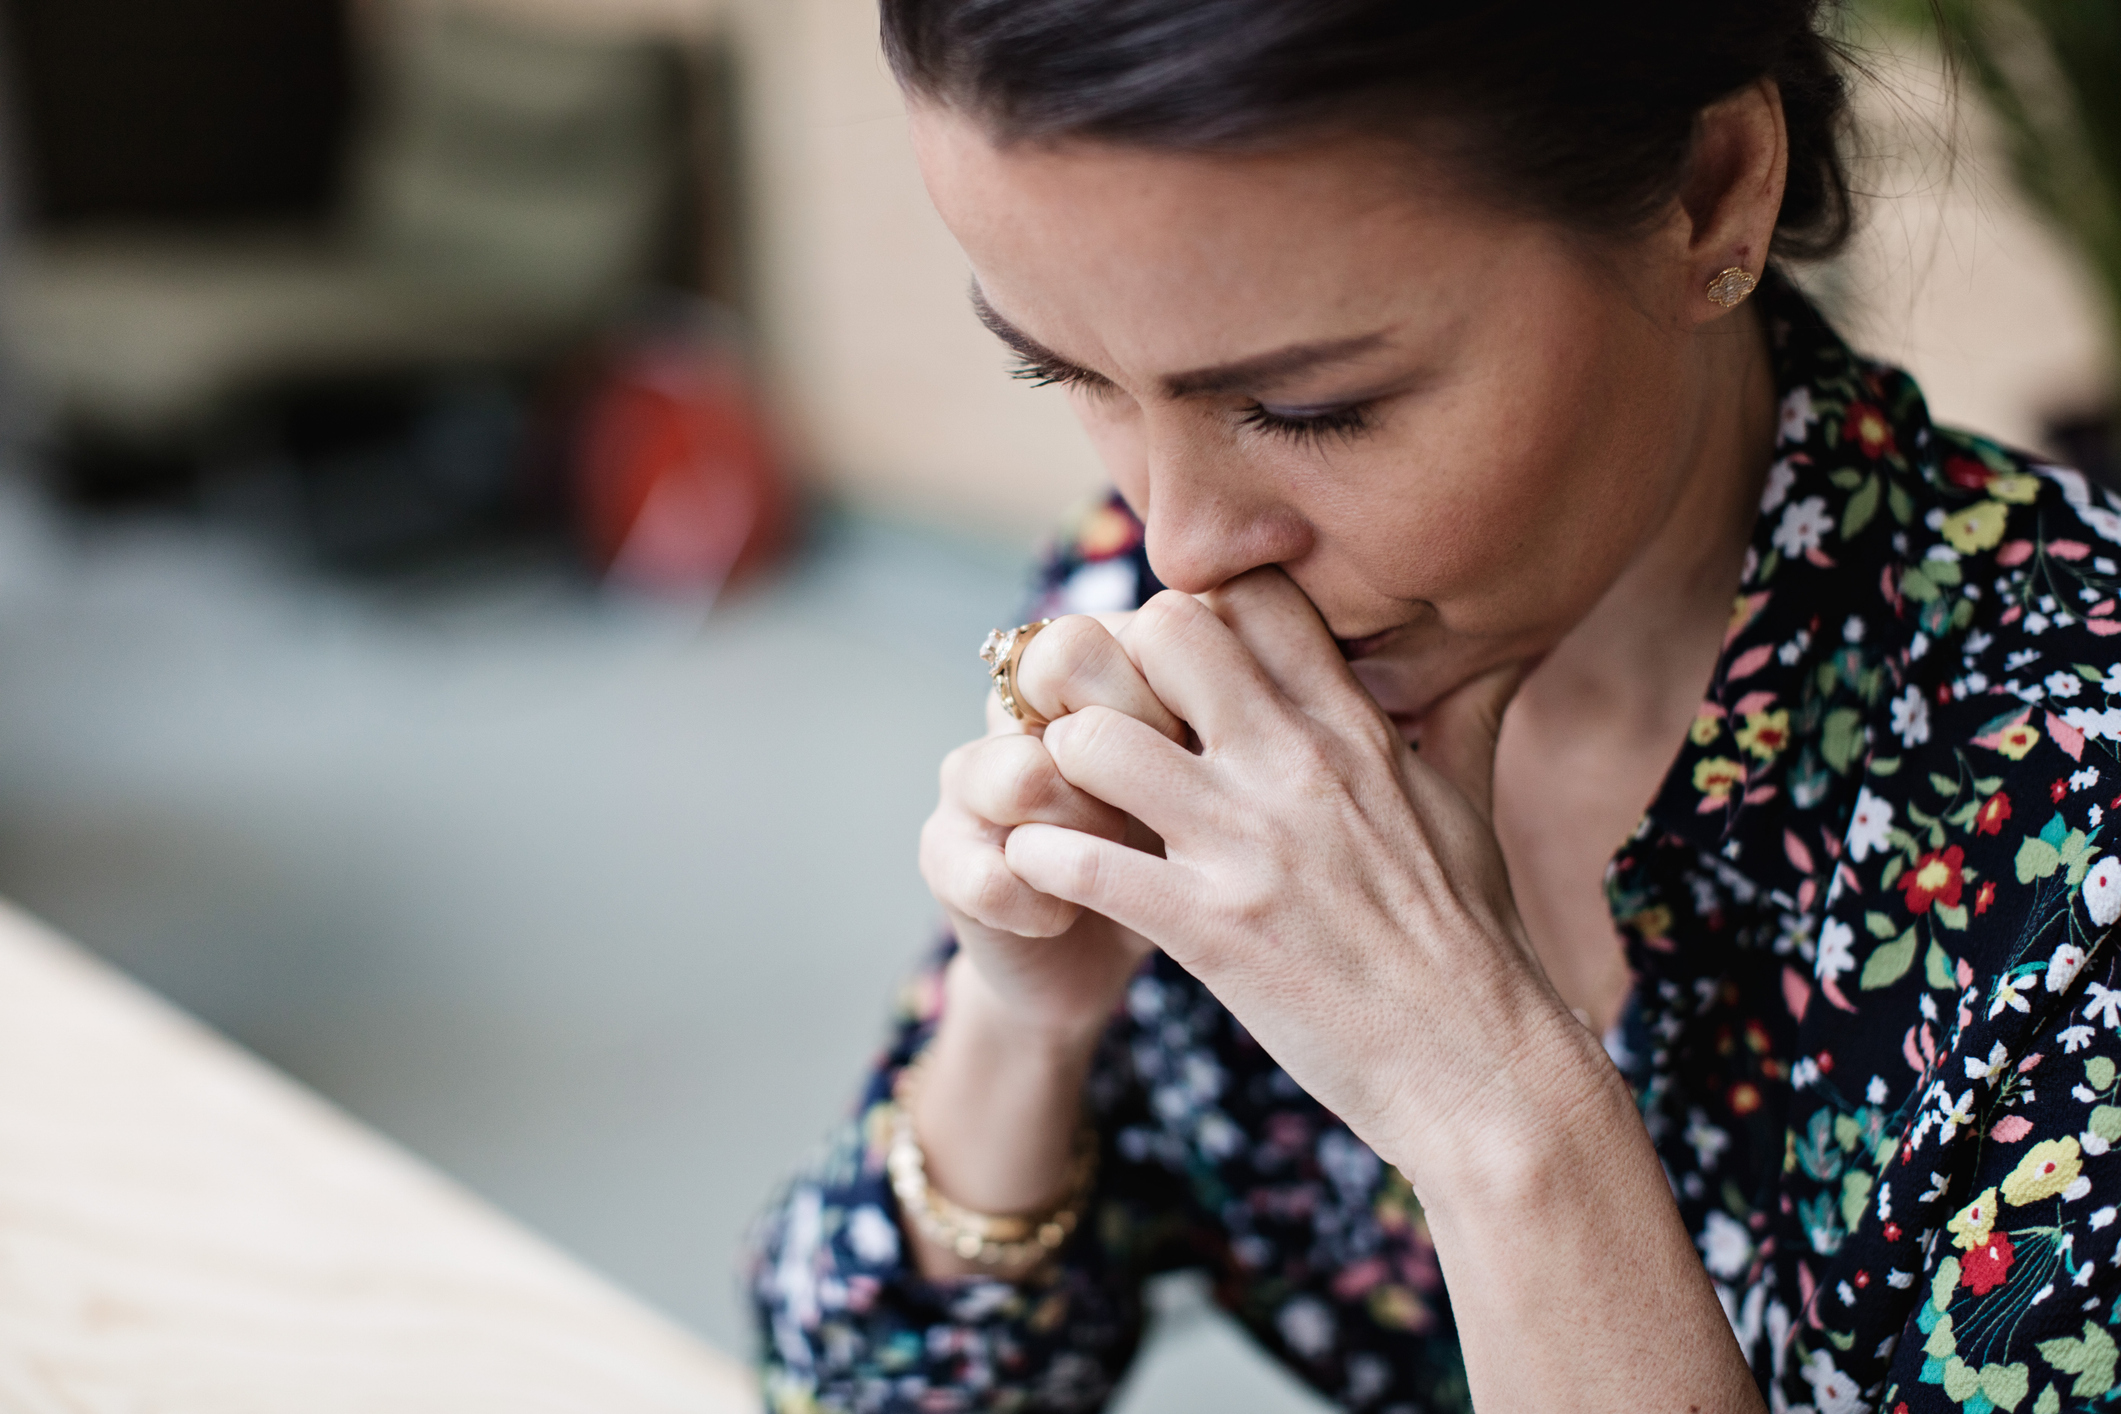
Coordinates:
x,y
2050,71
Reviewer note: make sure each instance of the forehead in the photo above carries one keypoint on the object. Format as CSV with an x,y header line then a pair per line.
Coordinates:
x,y
1173,259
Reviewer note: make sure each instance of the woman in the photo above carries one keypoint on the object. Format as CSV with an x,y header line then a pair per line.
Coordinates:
x,y
1416,340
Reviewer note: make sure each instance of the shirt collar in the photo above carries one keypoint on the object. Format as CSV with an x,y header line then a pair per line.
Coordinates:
x,y
1771,770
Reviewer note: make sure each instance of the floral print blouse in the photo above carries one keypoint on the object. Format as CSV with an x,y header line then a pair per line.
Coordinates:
x,y
1876,1027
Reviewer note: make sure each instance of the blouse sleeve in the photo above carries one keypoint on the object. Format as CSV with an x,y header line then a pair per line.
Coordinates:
x,y
2022,1292
848,1323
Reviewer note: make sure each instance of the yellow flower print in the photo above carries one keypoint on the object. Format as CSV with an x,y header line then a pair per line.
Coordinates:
x,y
2014,742
1971,1228
1717,777
1765,733
1977,527
1705,728
1654,923
2018,490
2047,1168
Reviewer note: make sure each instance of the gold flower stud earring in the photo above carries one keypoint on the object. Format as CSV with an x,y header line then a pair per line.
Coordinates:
x,y
1730,286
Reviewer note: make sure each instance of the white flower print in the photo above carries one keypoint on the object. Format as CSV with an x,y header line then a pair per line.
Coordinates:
x,y
1780,477
2111,684
1999,1059
1977,643
1836,950
1307,1325
1911,717
2102,891
2062,968
1832,1391
1804,525
2010,993
2075,1038
2104,1006
2101,725
2063,684
1707,1140
1875,1092
1101,587
1853,629
1955,1113
1797,414
873,1236
1870,827
1726,1247
2089,776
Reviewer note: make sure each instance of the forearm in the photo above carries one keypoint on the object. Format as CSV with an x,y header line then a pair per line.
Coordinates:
x,y
997,1112
1573,1281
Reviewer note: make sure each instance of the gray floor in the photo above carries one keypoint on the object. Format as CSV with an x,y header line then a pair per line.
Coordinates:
x,y
592,903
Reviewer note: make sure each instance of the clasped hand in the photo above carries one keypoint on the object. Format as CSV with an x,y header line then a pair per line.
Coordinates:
x,y
1215,782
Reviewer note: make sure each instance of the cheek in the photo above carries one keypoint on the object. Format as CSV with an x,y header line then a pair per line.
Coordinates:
x,y
1114,426
1546,481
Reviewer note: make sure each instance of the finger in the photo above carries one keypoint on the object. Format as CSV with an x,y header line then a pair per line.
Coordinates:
x,y
1075,662
1459,733
1012,780
1128,765
1133,889
1196,666
1282,629
965,869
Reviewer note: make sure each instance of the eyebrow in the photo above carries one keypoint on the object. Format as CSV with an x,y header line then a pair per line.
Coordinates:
x,y
1260,370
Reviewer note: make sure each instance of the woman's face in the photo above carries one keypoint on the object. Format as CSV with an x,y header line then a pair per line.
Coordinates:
x,y
1451,427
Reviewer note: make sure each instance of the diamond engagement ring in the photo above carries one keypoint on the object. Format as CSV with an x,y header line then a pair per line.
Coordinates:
x,y
1001,652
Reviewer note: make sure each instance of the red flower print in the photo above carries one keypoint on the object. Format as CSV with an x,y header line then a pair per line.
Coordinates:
x,y
1892,1232
1987,1265
1936,878
1984,896
1745,1097
1861,1280
1869,428
1966,472
2059,789
1993,812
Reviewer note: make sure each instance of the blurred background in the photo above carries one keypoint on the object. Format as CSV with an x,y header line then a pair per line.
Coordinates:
x,y
459,454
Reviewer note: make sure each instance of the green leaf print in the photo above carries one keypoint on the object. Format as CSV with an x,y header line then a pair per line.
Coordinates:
x,y
2090,1357
2105,1122
1880,925
1889,963
2037,859
1861,507
1842,740
1856,1188
2048,1403
1937,969
2099,1072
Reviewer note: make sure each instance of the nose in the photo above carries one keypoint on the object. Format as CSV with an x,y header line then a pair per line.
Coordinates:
x,y
1211,516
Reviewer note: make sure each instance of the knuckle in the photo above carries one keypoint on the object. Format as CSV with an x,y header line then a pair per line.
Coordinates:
x,y
989,888
1031,785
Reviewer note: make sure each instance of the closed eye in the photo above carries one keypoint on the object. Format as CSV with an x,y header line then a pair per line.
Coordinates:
x,y
1346,422
1052,373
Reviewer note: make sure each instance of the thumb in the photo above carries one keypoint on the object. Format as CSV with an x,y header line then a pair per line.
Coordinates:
x,y
1458,735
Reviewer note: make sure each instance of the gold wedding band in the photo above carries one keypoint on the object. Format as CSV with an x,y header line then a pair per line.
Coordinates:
x,y
1001,652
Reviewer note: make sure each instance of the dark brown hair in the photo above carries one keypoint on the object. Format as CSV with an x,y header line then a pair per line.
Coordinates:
x,y
1582,112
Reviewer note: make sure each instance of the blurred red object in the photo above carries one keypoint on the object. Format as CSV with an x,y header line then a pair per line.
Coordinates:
x,y
678,484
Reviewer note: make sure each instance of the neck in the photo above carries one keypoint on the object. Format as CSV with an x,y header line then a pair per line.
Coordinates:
x,y
1641,659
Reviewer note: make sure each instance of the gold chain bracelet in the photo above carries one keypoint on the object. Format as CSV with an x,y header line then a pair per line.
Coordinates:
x,y
991,1240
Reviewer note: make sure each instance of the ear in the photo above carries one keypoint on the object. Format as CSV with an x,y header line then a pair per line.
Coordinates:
x,y
1733,190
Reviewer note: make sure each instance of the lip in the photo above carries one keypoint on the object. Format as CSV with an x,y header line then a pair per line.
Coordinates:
x,y
1356,648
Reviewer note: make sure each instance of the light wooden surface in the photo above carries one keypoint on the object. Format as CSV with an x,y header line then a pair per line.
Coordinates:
x,y
182,1229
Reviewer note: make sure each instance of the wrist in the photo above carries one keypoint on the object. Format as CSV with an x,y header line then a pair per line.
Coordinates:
x,y
982,1018
1554,1113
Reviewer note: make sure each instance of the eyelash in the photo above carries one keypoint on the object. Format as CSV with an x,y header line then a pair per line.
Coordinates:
x,y
1040,374
1343,422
